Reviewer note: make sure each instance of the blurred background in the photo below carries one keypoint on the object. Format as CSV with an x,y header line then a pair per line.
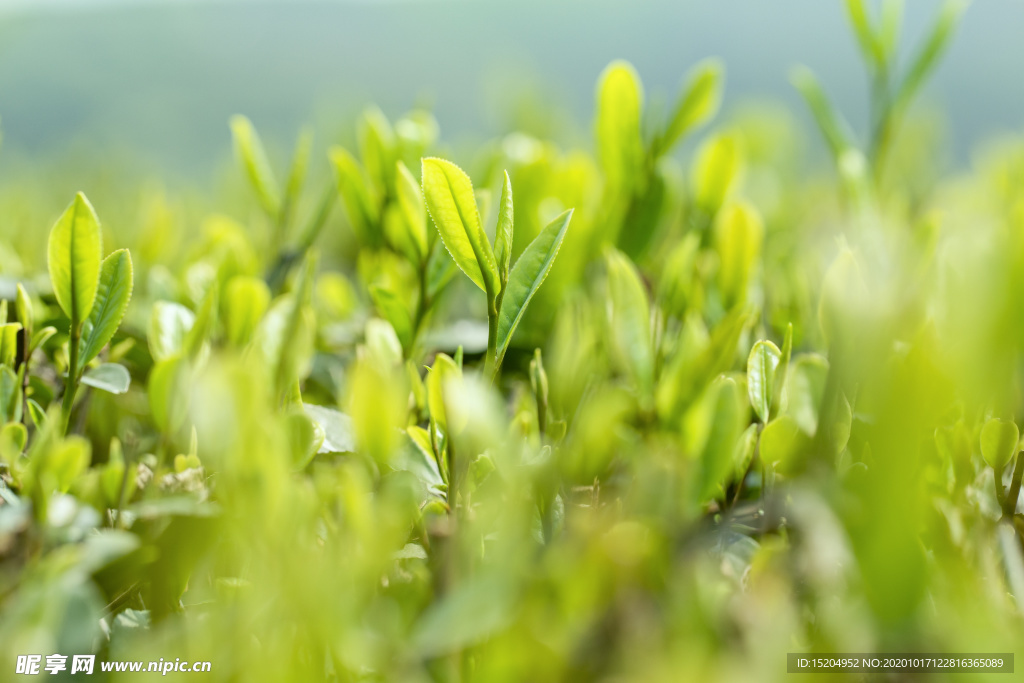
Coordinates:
x,y
154,81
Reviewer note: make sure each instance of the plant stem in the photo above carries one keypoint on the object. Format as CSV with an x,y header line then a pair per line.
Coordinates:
x,y
1010,502
71,384
491,364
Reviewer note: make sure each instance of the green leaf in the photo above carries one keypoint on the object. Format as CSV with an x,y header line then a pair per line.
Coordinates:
x,y
168,393
297,334
619,142
410,202
396,313
112,296
527,276
833,126
110,377
10,395
41,337
630,320
716,171
169,324
205,321
870,45
296,177
443,370
928,56
246,300
37,413
889,30
451,203
503,232
739,233
805,388
339,434
762,365
728,420
24,311
305,438
999,439
13,438
9,344
253,158
779,398
783,444
73,258
698,104
377,148
468,614
362,209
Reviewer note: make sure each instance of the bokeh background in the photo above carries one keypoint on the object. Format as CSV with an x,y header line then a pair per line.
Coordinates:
x,y
154,81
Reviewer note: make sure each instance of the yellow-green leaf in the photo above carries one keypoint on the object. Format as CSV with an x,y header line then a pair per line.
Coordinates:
x,y
410,202
112,296
450,200
527,276
253,158
630,319
739,233
619,142
503,233
698,104
246,300
762,365
73,258
999,443
361,207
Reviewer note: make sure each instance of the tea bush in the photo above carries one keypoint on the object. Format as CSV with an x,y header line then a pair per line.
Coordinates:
x,y
633,414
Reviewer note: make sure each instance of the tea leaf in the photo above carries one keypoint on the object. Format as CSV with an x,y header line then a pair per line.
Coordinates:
x,y
619,145
927,58
73,257
729,417
762,365
296,177
246,300
250,152
362,208
395,312
833,127
169,324
716,171
630,319
337,427
110,377
783,444
377,149
999,443
169,393
443,370
738,237
527,276
9,344
112,297
698,104
24,311
503,232
410,201
451,203
870,45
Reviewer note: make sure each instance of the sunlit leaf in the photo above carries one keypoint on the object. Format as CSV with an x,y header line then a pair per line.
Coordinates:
x,y
451,203
73,257
527,276
112,296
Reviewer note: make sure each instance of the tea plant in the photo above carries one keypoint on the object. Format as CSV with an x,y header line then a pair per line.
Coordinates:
x,y
709,409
